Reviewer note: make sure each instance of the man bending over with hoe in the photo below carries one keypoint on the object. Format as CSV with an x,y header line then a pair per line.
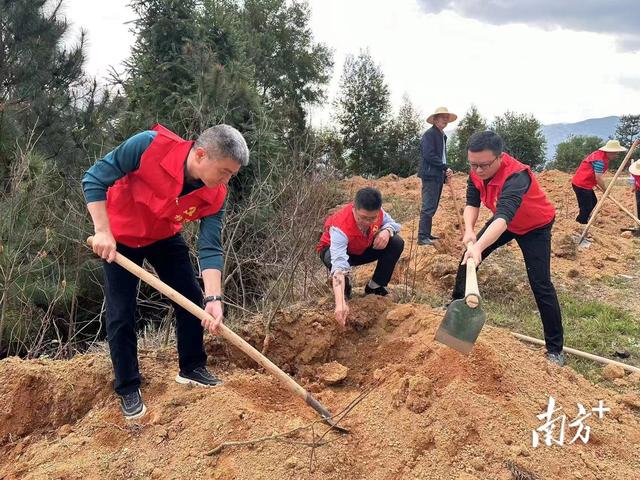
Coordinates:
x,y
521,212
590,173
139,196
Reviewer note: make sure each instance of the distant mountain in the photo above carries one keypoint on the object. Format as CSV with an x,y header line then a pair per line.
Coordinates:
x,y
558,132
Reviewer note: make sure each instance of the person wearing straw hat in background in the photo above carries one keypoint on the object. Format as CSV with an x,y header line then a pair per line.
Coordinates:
x,y
634,170
433,170
590,173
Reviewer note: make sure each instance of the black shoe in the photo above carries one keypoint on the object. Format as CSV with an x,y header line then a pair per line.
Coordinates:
x,y
556,357
382,291
424,241
199,376
434,237
132,405
347,288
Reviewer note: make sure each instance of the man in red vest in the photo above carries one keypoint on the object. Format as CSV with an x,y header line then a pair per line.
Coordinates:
x,y
360,232
634,170
521,212
590,173
139,196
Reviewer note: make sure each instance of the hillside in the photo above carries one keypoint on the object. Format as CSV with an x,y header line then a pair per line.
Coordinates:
x,y
427,412
556,133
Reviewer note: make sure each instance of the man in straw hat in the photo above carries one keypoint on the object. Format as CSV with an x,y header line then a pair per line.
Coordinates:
x,y
433,170
521,212
634,170
589,174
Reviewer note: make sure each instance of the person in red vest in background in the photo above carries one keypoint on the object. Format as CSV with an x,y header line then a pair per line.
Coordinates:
x,y
634,170
590,173
521,212
139,196
360,232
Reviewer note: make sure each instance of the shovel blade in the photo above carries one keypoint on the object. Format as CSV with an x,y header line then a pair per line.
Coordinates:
x,y
460,326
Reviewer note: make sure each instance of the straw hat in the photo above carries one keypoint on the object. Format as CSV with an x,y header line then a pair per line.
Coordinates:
x,y
634,168
442,111
613,146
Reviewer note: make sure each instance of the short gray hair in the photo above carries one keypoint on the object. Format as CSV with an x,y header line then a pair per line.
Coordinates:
x,y
226,141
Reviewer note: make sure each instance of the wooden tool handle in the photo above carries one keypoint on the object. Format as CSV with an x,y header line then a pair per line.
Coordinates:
x,y
471,290
226,333
600,202
579,353
454,199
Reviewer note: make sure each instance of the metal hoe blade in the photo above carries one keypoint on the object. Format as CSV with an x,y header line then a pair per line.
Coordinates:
x,y
461,326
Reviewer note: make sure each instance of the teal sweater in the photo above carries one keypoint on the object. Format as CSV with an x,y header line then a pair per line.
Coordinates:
x,y
126,159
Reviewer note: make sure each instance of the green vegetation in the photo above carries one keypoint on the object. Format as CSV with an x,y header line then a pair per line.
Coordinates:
x,y
591,326
572,151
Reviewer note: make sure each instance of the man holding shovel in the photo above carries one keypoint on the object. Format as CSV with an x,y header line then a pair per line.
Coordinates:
x,y
521,212
590,173
139,196
360,232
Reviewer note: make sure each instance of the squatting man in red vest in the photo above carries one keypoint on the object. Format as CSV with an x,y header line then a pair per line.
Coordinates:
x,y
521,212
590,173
139,196
360,232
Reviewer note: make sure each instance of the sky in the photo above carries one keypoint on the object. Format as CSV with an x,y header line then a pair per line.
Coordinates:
x,y
562,61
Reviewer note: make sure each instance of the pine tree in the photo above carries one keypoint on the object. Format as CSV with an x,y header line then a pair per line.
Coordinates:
x,y
627,130
38,73
522,137
403,141
471,123
363,110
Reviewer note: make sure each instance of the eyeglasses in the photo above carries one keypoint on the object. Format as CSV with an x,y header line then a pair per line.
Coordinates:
x,y
482,166
366,218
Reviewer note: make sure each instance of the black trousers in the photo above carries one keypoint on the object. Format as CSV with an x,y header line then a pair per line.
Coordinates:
x,y
587,201
431,192
536,249
638,203
170,259
387,259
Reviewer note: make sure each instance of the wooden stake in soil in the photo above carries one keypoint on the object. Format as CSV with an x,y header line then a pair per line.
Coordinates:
x,y
608,190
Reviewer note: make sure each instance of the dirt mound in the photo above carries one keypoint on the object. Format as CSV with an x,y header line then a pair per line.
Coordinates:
x,y
432,413
610,253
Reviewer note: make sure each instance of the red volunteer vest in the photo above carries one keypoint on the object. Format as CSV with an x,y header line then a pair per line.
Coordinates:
x,y
535,210
343,219
585,177
144,206
637,181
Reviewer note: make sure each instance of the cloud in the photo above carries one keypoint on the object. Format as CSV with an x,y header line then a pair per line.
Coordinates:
x,y
616,17
630,82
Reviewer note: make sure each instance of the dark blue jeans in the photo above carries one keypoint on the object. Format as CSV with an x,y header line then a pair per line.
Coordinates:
x,y
431,192
170,259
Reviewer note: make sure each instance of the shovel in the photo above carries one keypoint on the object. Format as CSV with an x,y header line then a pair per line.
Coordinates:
x,y
229,336
464,318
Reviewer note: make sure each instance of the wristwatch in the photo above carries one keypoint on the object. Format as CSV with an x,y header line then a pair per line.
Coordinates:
x,y
212,298
391,231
